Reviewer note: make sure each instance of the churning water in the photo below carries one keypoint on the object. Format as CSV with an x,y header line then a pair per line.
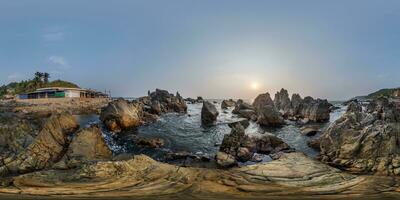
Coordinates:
x,y
184,133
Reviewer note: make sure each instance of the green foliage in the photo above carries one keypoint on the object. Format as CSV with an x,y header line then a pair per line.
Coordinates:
x,y
40,80
382,92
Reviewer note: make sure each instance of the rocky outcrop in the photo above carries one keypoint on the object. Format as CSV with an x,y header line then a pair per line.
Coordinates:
x,y
242,147
293,176
314,110
209,114
262,100
168,102
225,104
47,148
268,115
121,115
87,145
16,135
364,141
152,143
282,101
245,110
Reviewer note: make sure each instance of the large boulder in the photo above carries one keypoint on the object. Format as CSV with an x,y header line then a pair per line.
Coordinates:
x,y
268,115
209,113
48,147
121,115
242,147
245,110
315,110
225,104
86,146
364,141
262,100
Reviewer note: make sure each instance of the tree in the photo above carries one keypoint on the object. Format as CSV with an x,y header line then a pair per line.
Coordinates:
x,y
46,77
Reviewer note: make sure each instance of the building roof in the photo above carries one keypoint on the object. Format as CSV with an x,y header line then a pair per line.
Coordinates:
x,y
59,88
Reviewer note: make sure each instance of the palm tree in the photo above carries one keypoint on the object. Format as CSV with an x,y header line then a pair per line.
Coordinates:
x,y
46,77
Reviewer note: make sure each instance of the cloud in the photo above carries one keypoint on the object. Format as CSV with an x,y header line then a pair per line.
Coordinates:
x,y
54,33
59,62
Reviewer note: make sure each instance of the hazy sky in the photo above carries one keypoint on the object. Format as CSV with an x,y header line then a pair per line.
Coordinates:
x,y
214,48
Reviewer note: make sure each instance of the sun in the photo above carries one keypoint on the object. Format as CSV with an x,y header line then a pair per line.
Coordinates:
x,y
254,85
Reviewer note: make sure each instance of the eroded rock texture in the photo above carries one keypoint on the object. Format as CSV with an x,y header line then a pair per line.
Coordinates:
x,y
365,141
48,147
87,145
121,115
293,176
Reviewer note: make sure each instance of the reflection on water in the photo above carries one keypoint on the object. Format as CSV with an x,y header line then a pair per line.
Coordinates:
x,y
184,133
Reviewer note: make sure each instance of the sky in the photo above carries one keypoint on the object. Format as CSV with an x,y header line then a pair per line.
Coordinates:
x,y
215,49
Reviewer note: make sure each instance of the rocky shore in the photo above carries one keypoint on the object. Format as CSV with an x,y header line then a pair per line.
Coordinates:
x,y
54,157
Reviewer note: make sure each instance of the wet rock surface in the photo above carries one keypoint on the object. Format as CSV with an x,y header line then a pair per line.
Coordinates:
x,y
225,104
364,141
242,147
209,114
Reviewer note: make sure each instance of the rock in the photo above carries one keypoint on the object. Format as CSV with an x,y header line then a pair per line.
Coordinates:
x,y
364,141
86,146
16,134
314,143
156,107
309,130
168,102
153,143
121,115
269,116
282,101
47,148
262,100
225,160
209,114
225,104
242,147
294,175
245,110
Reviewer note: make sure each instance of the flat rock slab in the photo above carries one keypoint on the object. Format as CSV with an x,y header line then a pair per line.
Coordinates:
x,y
294,175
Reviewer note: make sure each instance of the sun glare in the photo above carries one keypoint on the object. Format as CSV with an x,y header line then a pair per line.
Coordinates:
x,y
254,85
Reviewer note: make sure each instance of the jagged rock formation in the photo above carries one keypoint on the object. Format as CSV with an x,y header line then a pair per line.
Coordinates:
x,y
47,148
242,147
168,102
225,104
86,146
365,142
121,115
282,101
209,114
315,110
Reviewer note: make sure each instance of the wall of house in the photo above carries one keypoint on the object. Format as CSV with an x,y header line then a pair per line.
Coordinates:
x,y
72,94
